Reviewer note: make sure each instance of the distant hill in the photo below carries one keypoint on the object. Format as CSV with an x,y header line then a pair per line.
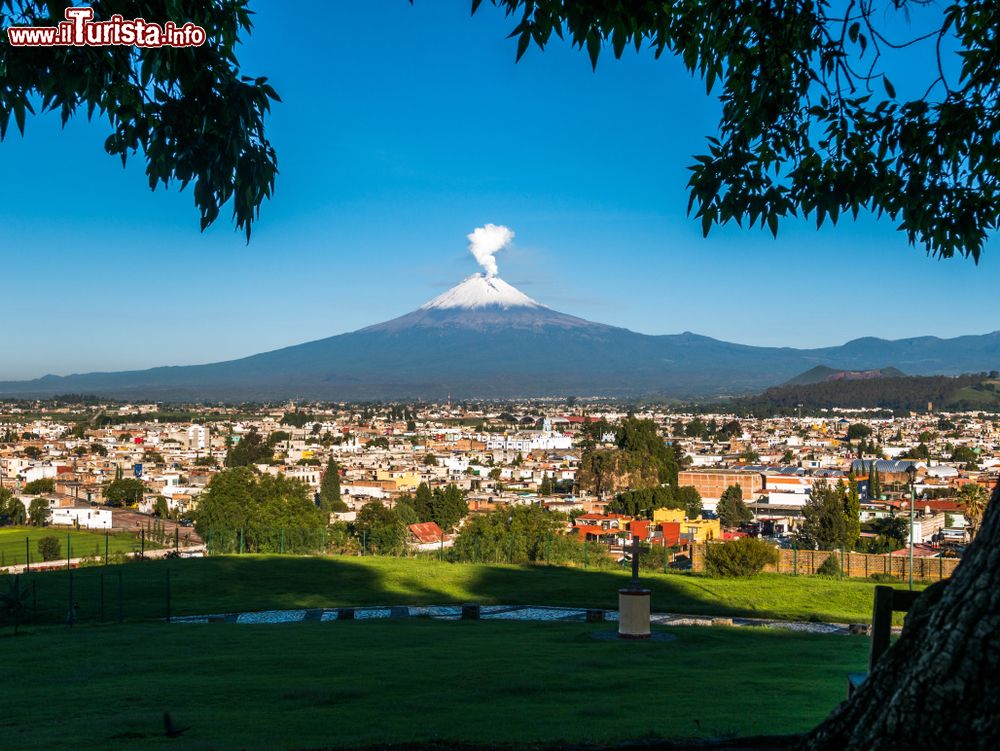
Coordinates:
x,y
965,392
824,373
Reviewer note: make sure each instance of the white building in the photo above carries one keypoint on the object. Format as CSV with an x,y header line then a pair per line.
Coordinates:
x,y
85,518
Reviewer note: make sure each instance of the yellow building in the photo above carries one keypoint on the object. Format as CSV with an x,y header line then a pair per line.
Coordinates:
x,y
692,530
405,481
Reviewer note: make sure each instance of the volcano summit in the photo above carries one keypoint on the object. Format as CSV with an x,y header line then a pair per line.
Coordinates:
x,y
486,339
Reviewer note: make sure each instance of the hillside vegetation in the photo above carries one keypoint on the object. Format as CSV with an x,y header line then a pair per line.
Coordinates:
x,y
979,391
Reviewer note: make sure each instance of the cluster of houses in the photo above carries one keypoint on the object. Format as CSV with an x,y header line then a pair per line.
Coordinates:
x,y
519,454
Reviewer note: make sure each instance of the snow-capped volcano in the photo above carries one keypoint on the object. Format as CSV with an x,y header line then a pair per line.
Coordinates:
x,y
481,291
486,339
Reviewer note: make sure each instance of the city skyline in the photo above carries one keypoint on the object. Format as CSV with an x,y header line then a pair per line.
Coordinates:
x,y
388,160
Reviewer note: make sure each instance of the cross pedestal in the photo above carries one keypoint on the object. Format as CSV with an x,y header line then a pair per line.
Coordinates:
x,y
633,603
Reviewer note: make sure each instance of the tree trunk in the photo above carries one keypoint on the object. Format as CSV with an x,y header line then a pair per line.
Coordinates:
x,y
938,687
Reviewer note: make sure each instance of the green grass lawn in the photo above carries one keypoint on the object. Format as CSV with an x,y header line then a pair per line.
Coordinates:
x,y
237,583
81,542
321,685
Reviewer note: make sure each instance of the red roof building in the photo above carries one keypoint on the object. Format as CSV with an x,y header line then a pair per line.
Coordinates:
x,y
426,532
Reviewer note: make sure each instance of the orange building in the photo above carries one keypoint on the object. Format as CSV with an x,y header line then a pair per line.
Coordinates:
x,y
711,483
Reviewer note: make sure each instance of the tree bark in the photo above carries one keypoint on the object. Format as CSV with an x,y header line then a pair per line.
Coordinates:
x,y
938,686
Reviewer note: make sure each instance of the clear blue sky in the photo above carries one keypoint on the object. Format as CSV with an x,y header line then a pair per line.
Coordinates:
x,y
400,132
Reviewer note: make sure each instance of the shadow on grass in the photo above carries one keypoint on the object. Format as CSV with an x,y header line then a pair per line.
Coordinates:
x,y
147,590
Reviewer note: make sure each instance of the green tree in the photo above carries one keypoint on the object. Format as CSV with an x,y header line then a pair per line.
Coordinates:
x,y
742,557
296,419
642,502
49,548
733,512
384,531
858,430
38,512
688,498
973,499
404,509
124,491
892,530
522,534
448,507
270,512
161,508
38,487
192,114
329,488
824,525
12,511
696,428
250,449
810,122
966,456
852,510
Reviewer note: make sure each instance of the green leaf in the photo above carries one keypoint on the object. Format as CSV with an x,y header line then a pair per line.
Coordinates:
x,y
593,47
522,44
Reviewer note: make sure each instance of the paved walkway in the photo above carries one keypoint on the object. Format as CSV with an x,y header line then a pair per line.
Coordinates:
x,y
192,551
506,612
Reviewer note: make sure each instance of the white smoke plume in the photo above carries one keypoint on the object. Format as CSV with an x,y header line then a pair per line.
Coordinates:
x,y
485,242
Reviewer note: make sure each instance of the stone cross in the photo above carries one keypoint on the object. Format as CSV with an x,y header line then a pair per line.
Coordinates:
x,y
635,561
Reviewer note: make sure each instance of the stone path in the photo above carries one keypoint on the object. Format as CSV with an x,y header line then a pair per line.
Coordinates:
x,y
505,612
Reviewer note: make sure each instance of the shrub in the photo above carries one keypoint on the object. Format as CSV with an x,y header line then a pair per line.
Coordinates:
x,y
745,556
49,548
830,567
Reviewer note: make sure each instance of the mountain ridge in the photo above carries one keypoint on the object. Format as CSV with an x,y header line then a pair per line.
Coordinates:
x,y
485,339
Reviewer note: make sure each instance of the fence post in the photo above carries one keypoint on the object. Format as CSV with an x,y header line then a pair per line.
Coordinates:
x,y
241,541
512,549
27,554
664,555
441,549
940,568
475,551
177,538
585,557
67,550
841,561
795,559
281,543
102,597
142,543
70,615
364,542
34,601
